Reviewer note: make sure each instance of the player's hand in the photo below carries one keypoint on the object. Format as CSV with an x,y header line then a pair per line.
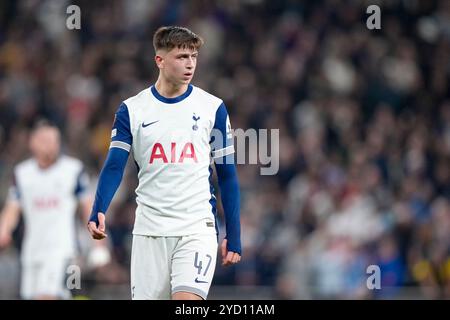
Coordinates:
x,y
5,240
99,232
229,257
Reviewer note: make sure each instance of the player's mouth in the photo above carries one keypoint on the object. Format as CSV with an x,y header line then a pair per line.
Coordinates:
x,y
188,74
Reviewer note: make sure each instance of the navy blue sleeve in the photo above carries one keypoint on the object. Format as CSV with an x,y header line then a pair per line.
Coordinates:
x,y
114,166
222,151
230,195
82,186
121,136
110,178
221,136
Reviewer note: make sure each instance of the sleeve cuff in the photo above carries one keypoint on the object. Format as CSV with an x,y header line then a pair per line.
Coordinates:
x,y
121,145
222,152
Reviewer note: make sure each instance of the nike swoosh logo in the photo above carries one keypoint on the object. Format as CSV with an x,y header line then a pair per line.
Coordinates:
x,y
144,125
200,281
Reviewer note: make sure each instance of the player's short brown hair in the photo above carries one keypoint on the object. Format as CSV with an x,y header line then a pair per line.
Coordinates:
x,y
43,123
169,37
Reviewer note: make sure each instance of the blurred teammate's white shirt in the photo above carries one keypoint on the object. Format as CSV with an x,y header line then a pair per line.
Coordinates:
x,y
171,146
48,198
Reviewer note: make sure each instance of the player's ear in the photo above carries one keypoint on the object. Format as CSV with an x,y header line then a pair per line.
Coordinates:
x,y
159,61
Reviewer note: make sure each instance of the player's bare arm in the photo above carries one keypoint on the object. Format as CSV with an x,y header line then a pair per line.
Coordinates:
x,y
8,222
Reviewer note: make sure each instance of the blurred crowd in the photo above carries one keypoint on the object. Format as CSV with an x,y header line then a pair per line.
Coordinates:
x,y
364,120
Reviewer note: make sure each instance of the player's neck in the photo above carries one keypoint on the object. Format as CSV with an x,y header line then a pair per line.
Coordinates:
x,y
168,89
46,164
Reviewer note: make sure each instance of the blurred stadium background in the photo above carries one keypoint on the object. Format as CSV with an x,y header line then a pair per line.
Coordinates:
x,y
364,119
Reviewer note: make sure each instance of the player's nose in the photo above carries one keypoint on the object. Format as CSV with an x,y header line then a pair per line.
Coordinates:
x,y
190,63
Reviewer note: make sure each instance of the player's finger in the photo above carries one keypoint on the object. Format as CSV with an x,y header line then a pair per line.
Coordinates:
x,y
95,232
225,262
232,258
92,227
223,248
228,259
101,222
236,258
98,236
92,230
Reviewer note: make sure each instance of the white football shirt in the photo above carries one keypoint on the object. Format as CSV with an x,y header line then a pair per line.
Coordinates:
x,y
171,142
48,199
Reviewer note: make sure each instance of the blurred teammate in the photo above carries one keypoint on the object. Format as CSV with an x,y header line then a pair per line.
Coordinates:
x,y
46,189
173,130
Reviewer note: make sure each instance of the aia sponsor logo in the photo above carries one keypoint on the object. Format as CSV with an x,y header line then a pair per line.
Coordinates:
x,y
46,203
187,153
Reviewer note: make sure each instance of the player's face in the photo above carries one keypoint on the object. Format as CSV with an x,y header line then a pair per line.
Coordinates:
x,y
45,146
178,65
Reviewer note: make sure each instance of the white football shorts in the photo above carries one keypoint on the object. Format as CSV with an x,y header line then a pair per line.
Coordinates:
x,y
161,266
45,277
